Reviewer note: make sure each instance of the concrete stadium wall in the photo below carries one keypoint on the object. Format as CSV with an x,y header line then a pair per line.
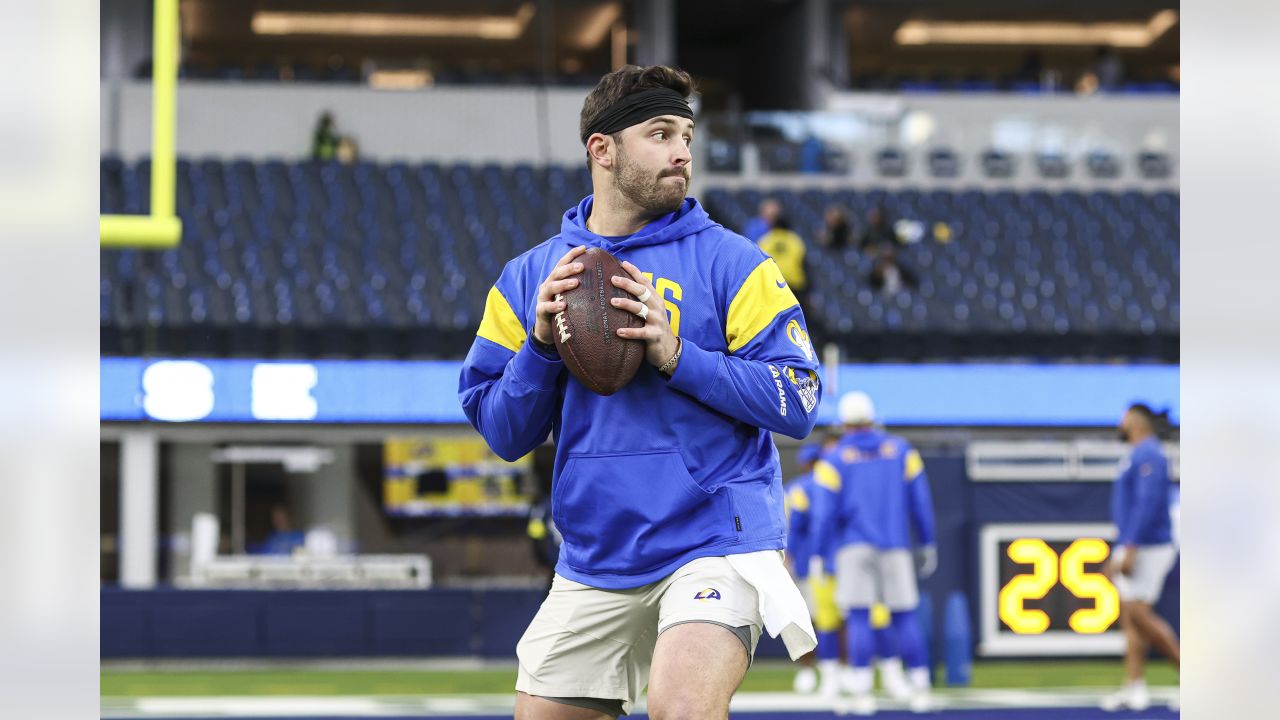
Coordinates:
x,y
265,120
524,124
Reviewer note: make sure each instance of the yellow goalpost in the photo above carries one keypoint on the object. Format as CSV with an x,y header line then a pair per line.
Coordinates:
x,y
162,228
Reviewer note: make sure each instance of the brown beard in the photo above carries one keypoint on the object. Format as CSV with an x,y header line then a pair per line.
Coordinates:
x,y
646,191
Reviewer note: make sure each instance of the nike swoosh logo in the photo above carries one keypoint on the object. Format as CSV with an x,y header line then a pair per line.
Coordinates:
x,y
781,283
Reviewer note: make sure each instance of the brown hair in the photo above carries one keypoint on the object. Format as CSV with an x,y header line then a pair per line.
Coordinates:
x,y
629,79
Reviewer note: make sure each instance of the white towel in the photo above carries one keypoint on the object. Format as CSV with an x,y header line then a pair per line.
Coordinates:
x,y
781,604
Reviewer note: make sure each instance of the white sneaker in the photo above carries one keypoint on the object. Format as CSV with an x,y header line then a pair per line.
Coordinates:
x,y
894,680
806,681
849,683
830,679
1129,697
921,702
857,680
863,704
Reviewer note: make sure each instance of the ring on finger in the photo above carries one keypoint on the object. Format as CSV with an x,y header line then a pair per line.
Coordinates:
x,y
643,312
644,298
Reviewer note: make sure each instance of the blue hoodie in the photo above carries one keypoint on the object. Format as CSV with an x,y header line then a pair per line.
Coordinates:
x,y
1140,497
665,470
868,487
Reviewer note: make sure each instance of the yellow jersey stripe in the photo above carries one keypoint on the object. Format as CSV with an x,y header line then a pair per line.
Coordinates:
x,y
799,500
760,299
500,323
826,475
913,467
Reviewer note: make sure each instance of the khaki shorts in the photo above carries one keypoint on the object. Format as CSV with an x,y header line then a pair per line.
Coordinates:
x,y
594,643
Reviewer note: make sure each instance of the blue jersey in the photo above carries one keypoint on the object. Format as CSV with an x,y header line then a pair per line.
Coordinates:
x,y
664,470
799,523
869,487
1140,497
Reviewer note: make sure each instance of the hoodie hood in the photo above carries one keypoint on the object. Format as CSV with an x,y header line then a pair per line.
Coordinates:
x,y
865,438
688,219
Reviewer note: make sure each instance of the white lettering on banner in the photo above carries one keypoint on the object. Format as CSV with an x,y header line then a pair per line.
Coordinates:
x,y
177,390
282,391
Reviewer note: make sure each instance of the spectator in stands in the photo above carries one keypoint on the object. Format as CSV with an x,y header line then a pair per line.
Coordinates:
x,y
890,277
788,251
1109,69
836,230
770,210
348,151
324,141
283,540
1105,75
812,154
878,235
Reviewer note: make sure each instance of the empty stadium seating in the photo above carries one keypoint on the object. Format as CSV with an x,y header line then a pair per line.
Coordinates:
x,y
323,259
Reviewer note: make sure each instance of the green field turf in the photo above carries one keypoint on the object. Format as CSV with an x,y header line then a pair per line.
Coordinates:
x,y
764,677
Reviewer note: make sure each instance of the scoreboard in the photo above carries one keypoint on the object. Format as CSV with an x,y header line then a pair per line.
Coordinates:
x,y
1043,591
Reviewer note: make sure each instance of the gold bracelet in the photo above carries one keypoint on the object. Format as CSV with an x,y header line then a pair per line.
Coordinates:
x,y
674,358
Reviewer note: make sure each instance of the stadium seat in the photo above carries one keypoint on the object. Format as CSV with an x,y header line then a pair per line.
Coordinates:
x,y
891,162
1102,164
1154,165
997,164
943,163
320,259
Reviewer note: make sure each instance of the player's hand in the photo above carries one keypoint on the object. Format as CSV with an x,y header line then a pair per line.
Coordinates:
x,y
928,561
660,343
560,279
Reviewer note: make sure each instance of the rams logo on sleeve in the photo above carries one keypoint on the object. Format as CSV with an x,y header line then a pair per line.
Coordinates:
x,y
800,338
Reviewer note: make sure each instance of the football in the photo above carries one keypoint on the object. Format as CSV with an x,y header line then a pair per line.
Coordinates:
x,y
586,331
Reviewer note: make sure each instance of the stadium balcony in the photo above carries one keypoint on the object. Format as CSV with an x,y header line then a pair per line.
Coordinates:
x,y
308,259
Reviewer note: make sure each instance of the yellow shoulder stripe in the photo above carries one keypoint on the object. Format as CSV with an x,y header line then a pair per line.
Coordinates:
x,y
799,500
500,323
758,302
913,466
826,475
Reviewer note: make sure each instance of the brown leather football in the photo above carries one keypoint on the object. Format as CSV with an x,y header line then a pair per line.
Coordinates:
x,y
586,331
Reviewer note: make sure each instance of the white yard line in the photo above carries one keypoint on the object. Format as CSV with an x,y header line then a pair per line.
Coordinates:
x,y
502,705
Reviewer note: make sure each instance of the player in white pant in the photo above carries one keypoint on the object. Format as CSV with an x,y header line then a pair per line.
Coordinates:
x,y
1143,556
872,497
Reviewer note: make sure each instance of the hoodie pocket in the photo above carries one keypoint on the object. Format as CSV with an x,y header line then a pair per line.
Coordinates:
x,y
630,513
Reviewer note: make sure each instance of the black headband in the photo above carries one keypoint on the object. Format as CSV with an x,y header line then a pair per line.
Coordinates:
x,y
636,108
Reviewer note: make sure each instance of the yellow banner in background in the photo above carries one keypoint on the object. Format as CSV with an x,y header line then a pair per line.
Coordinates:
x,y
426,475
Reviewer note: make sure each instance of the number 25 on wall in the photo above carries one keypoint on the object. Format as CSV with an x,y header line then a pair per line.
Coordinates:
x,y
1045,574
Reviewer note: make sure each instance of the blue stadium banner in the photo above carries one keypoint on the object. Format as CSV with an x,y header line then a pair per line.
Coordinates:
x,y
389,391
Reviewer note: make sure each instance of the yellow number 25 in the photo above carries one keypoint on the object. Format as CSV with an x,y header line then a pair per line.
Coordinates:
x,y
1045,562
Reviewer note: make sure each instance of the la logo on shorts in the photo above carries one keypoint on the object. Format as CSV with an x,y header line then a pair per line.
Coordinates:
x,y
708,594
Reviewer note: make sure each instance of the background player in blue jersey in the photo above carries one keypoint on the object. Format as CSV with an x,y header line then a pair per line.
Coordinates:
x,y
668,493
1144,553
819,587
872,492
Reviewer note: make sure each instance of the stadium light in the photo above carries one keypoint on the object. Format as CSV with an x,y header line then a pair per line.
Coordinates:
x,y
593,30
1115,34
369,24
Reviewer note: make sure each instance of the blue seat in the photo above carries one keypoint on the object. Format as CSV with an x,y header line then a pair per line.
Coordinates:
x,y
273,243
